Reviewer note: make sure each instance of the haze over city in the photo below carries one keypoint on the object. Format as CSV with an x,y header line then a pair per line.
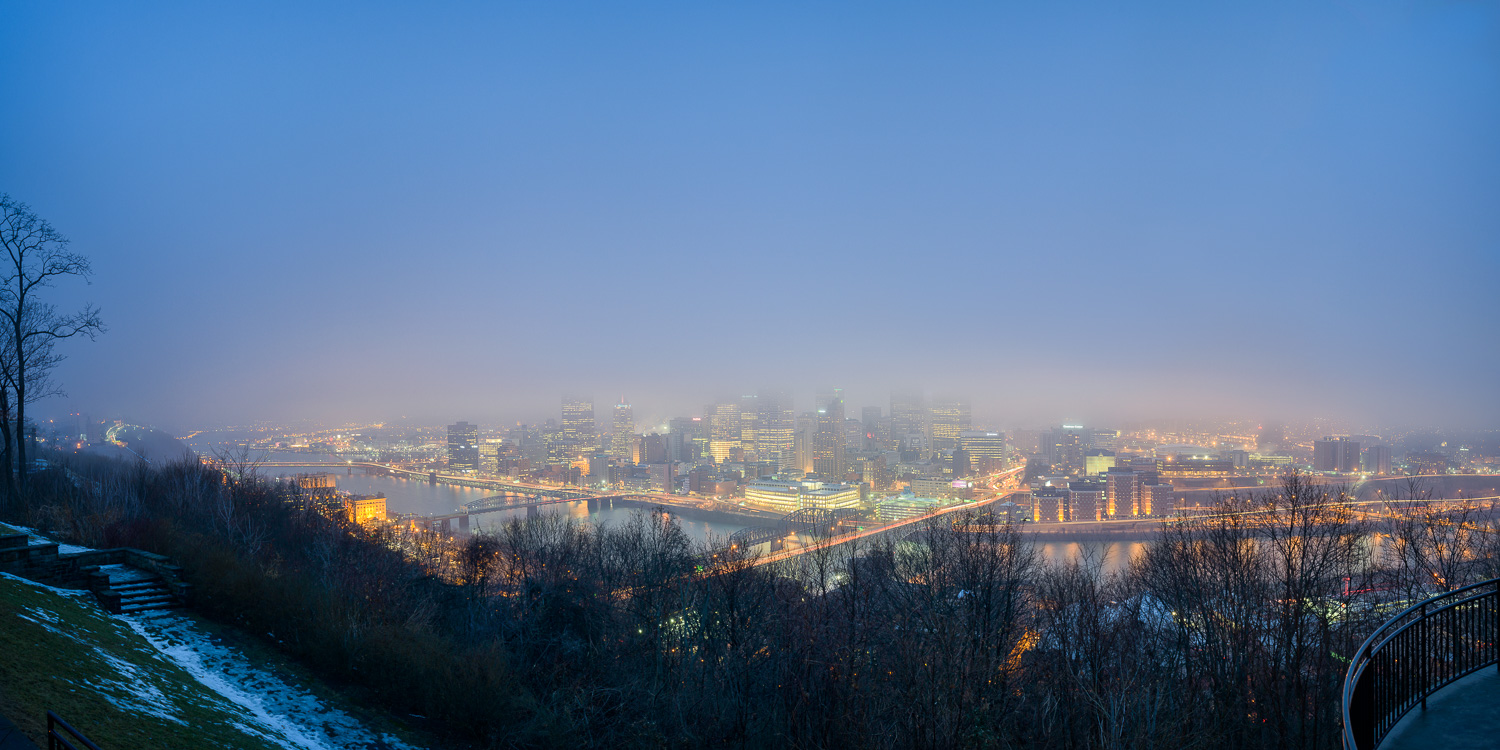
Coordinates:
x,y
1069,212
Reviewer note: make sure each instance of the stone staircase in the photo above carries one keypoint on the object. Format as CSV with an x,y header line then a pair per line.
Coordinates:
x,y
125,590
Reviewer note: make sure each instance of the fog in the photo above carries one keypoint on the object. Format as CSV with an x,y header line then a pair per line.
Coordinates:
x,y
1062,213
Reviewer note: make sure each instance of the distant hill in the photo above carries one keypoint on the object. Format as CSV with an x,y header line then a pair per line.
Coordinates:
x,y
147,442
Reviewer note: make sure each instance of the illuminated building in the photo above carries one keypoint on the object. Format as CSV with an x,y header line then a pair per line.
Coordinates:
x,y
1378,459
872,471
723,430
578,422
828,443
1122,491
685,439
489,457
986,450
1158,500
622,444
787,496
364,509
776,424
948,419
1098,461
1049,504
1338,454
905,505
749,424
940,487
1086,501
463,447
1195,466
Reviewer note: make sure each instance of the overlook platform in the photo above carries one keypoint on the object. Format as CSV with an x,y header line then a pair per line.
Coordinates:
x,y
1461,716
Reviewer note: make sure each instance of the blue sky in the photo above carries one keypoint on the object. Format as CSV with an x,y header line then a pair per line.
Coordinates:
x,y
1065,210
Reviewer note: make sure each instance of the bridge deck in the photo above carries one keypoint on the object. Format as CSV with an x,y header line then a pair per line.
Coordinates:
x,y
1461,716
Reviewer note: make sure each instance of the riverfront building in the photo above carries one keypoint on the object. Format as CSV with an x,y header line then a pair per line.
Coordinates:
x,y
787,496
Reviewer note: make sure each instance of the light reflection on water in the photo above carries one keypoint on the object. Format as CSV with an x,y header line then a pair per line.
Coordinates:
x,y
417,497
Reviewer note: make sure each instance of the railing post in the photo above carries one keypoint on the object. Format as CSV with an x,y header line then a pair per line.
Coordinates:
x,y
1426,656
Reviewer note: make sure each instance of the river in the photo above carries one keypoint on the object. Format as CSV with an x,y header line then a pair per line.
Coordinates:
x,y
417,497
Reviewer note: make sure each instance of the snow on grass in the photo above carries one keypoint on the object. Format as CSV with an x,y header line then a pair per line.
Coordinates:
x,y
134,692
286,714
36,538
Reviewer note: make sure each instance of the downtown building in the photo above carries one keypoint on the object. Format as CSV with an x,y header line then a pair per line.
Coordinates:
x,y
463,447
787,496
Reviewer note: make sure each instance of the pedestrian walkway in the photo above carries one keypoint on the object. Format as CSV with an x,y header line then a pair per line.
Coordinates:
x,y
1461,716
11,737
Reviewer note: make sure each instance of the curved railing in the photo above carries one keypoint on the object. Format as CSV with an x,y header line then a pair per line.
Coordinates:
x,y
1414,654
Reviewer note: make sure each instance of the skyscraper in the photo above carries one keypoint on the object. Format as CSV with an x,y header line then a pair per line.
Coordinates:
x,y
828,444
578,422
623,440
948,419
1338,454
463,447
723,430
775,424
906,416
986,450
685,439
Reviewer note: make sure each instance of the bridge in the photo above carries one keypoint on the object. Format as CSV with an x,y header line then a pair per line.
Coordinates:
x,y
815,521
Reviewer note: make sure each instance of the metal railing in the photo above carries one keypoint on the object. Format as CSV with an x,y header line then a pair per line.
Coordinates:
x,y
57,728
1416,653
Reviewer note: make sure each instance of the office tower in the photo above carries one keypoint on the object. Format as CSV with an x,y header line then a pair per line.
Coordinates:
x,y
803,440
578,422
685,439
1338,454
749,425
723,430
1378,459
948,418
870,416
828,444
1122,492
1062,448
872,471
463,447
775,425
653,449
906,418
489,456
623,442
986,450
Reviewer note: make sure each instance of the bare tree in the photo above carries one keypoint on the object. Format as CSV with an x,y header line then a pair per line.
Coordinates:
x,y
36,257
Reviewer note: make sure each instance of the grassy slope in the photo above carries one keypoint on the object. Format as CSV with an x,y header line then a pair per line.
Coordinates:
x,y
61,652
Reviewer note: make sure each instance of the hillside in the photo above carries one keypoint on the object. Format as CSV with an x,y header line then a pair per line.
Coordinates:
x,y
169,680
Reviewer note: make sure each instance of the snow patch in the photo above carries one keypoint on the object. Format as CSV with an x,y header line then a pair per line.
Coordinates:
x,y
45,587
286,714
133,693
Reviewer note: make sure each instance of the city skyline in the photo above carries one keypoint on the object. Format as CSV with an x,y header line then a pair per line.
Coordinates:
x,y
1093,220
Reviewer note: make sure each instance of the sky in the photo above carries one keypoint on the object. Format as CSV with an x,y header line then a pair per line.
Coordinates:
x,y
1063,211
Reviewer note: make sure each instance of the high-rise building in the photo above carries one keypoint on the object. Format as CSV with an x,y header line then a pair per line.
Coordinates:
x,y
1158,499
948,418
1096,461
749,425
828,445
1087,500
1049,504
870,416
463,447
578,422
685,439
1122,492
1378,459
1062,448
1338,454
623,439
906,417
986,450
653,449
723,430
804,438
774,428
